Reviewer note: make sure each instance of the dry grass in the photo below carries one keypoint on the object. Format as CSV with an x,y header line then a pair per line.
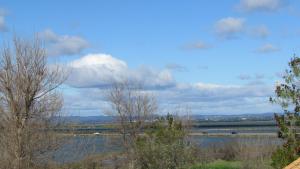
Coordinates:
x,y
252,153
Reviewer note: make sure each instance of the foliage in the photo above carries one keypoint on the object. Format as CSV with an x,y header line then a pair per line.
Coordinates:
x,y
164,147
288,97
282,157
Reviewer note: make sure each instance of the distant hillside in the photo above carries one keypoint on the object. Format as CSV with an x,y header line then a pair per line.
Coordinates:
x,y
109,119
242,117
88,119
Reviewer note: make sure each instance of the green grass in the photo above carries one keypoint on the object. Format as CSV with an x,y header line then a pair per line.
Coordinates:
x,y
219,164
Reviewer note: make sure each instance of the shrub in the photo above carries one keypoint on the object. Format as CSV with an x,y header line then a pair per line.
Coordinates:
x,y
165,147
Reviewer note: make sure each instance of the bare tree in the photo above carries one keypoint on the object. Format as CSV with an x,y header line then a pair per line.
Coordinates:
x,y
29,102
133,106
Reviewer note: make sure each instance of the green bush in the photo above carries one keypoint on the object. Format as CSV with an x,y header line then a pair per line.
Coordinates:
x,y
287,96
282,157
164,147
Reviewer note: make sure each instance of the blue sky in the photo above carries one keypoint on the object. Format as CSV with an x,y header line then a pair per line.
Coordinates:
x,y
217,57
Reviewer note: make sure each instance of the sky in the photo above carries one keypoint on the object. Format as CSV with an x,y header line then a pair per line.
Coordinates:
x,y
213,56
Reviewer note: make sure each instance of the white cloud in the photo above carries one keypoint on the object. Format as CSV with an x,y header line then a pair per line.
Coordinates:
x,y
267,48
260,31
207,86
96,70
229,27
92,74
259,5
63,44
219,99
101,70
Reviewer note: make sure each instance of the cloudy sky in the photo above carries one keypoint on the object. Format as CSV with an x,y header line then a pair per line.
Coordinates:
x,y
215,57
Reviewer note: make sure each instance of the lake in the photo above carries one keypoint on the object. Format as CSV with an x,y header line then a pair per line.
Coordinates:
x,y
78,147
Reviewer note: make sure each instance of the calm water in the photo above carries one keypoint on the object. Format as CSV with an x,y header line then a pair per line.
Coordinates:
x,y
224,130
78,147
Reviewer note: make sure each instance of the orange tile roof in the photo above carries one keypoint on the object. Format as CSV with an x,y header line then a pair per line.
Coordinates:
x,y
294,165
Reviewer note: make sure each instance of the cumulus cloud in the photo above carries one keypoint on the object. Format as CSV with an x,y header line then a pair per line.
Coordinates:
x,y
218,92
267,48
93,74
58,45
229,27
101,70
260,5
260,31
3,26
220,99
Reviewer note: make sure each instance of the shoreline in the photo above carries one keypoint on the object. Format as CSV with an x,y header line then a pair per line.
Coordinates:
x,y
190,134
